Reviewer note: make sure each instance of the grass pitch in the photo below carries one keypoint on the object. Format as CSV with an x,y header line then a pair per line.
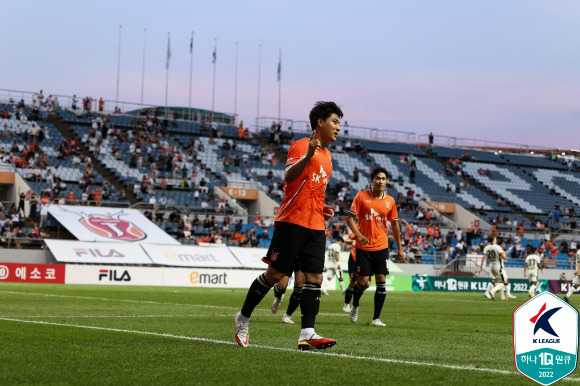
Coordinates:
x,y
92,335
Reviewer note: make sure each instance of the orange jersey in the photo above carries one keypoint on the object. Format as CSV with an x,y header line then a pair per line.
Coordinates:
x,y
373,214
304,197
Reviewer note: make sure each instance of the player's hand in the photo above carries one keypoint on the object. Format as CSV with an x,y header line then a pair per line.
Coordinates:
x,y
362,239
327,212
401,257
313,144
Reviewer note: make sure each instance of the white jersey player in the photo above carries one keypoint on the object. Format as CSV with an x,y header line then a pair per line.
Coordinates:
x,y
332,265
496,256
576,281
533,263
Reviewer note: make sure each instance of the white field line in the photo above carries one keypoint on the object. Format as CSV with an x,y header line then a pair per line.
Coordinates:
x,y
325,353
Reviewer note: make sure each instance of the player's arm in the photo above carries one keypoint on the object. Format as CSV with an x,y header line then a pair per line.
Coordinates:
x,y
293,172
337,256
347,240
352,225
397,235
483,258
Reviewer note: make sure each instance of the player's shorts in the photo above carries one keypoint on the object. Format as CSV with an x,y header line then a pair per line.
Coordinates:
x,y
369,263
332,272
532,276
352,267
576,280
290,241
499,274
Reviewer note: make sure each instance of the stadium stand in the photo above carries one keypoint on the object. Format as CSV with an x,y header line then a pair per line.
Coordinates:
x,y
144,161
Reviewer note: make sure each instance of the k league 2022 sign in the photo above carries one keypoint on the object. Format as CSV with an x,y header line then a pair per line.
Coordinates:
x,y
545,338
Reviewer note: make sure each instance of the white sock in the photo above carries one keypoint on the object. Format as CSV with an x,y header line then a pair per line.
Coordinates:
x,y
498,287
325,284
570,291
306,333
341,283
509,289
532,289
489,287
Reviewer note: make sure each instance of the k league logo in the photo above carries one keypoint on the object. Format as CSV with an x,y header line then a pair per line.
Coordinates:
x,y
545,332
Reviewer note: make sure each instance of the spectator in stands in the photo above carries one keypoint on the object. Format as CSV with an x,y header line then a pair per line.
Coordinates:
x,y
355,174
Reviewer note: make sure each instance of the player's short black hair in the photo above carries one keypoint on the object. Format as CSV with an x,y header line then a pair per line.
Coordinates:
x,y
490,239
377,171
323,110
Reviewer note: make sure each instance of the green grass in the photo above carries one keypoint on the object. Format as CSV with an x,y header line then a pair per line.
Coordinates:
x,y
72,334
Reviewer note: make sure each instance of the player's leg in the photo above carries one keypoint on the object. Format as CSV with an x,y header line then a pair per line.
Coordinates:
x,y
575,284
280,256
311,259
508,287
279,291
349,290
532,290
295,297
490,286
380,296
329,276
364,269
380,261
340,279
258,290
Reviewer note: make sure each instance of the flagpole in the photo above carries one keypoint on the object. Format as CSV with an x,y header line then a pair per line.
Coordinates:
x,y
167,71
213,89
118,70
259,75
236,86
279,83
190,71
143,70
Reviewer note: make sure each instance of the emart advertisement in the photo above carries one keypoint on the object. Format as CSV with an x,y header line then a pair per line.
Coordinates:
x,y
155,276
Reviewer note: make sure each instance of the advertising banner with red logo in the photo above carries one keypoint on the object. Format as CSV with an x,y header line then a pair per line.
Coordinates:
x,y
88,223
98,253
191,256
32,273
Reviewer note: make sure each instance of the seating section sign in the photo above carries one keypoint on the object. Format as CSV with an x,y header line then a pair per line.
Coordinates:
x,y
89,223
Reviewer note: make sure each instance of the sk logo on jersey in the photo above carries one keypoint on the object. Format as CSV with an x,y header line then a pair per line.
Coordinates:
x,y
321,174
374,216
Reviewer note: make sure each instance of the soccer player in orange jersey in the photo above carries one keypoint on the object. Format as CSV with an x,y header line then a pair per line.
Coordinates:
x,y
373,208
299,229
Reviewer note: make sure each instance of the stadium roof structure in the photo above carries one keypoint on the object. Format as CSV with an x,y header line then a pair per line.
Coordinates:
x,y
188,114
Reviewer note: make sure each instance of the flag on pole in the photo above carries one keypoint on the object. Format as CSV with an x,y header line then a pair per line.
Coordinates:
x,y
280,66
214,55
168,51
191,44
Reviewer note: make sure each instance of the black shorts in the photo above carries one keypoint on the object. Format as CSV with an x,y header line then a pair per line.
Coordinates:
x,y
351,266
369,263
291,241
